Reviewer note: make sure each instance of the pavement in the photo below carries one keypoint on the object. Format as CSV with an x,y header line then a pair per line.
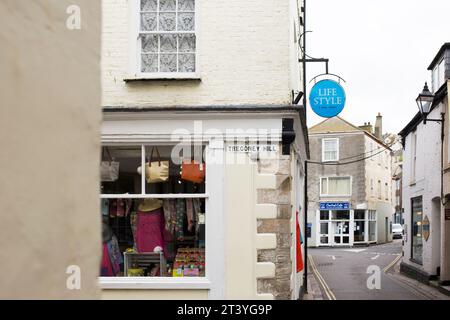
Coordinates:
x,y
363,273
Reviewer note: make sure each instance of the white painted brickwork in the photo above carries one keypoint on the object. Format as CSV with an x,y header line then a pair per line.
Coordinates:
x,y
243,48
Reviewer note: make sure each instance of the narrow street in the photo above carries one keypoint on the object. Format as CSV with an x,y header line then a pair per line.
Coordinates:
x,y
341,274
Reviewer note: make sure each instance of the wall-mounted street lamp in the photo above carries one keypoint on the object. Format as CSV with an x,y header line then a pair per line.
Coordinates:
x,y
424,102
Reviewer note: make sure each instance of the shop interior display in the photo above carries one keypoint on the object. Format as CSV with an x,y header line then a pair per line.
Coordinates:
x,y
152,237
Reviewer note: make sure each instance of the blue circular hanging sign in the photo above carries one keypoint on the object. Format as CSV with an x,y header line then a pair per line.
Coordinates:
x,y
327,98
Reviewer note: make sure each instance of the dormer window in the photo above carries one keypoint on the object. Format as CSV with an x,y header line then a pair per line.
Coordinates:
x,y
438,75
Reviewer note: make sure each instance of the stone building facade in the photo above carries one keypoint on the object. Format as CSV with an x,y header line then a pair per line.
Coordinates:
x,y
349,186
211,86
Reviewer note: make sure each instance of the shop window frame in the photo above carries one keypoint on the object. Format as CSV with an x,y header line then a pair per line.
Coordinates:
x,y
188,283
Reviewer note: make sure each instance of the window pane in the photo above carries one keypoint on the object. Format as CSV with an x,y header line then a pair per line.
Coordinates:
x,y
324,186
168,43
149,43
186,63
324,228
340,215
330,148
168,63
125,179
148,21
148,5
323,240
338,186
149,63
186,21
169,160
153,237
372,230
186,43
167,5
186,5
417,239
360,214
167,21
324,215
359,231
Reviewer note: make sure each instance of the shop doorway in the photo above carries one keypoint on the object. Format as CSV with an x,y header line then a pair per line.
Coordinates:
x,y
341,232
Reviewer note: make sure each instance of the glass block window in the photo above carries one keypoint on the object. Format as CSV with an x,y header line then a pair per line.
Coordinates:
x,y
167,38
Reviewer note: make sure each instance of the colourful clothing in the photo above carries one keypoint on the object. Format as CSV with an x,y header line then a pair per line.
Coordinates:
x,y
106,269
170,215
115,255
190,214
180,214
149,230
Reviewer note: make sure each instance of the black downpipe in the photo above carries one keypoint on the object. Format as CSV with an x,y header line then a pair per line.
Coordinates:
x,y
305,206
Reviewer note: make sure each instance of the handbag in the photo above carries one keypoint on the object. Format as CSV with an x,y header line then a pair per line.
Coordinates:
x,y
156,171
109,170
193,172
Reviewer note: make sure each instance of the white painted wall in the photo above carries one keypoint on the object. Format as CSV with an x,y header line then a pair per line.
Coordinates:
x,y
379,168
426,184
246,51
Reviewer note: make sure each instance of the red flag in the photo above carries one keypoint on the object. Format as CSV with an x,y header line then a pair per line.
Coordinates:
x,y
299,246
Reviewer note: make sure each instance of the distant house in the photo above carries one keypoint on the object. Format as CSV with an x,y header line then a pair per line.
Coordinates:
x,y
349,185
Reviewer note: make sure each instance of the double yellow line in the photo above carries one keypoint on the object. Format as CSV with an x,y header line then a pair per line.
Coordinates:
x,y
390,265
330,295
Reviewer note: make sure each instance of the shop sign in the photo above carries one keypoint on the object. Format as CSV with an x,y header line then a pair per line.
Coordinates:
x,y
327,98
426,228
334,206
244,148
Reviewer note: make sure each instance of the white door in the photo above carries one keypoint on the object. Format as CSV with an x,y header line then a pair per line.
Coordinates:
x,y
341,233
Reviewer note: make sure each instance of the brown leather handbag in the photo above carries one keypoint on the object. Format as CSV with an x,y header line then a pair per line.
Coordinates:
x,y
193,172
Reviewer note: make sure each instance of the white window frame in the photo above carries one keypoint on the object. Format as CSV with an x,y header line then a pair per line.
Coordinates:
x,y
213,279
334,195
336,140
134,73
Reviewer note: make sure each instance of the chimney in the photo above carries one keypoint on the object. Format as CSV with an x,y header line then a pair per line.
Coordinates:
x,y
379,126
367,127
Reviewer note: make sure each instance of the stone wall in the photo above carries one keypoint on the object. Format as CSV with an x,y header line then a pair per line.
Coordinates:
x,y
277,198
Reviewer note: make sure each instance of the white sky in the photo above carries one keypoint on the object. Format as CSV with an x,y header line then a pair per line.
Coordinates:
x,y
382,48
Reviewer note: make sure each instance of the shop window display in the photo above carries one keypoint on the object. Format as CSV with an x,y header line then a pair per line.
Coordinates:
x,y
153,218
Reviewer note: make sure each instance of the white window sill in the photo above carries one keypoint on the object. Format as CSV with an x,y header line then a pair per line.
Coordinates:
x,y
154,283
163,77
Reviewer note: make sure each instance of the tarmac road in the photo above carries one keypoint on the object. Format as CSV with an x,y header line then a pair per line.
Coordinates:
x,y
342,274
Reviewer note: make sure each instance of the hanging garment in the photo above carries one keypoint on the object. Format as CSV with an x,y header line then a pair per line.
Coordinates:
x,y
190,214
169,215
107,232
180,215
115,255
133,225
106,269
149,230
105,207
117,208
121,207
